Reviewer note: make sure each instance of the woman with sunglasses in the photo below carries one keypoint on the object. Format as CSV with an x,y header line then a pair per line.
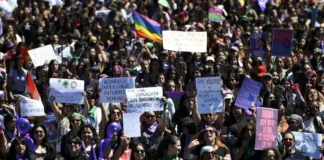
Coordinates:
x,y
169,148
138,152
75,150
207,153
77,120
19,150
43,149
207,137
313,122
115,115
152,129
289,147
62,116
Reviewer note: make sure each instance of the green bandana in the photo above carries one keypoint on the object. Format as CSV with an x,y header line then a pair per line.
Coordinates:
x,y
80,116
93,113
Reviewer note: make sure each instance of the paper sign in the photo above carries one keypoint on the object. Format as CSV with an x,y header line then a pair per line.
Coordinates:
x,y
248,93
31,108
258,45
215,15
266,128
209,95
8,5
113,89
132,124
141,100
282,42
51,126
185,41
66,91
54,2
308,143
43,55
64,51
263,4
103,14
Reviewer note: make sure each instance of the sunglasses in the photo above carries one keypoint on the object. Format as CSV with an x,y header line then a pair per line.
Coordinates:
x,y
139,151
115,112
150,116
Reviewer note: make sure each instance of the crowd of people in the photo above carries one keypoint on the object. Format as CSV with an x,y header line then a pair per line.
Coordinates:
x,y
107,46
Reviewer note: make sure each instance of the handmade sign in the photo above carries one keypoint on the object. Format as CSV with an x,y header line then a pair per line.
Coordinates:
x,y
43,55
141,100
209,95
282,42
175,96
30,107
113,89
308,143
258,45
66,91
185,41
248,93
266,128
215,15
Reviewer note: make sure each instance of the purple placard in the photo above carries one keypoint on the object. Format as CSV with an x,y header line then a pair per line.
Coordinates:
x,y
215,15
176,95
248,93
266,128
282,42
258,45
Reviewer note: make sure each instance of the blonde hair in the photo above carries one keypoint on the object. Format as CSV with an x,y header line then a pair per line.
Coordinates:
x,y
200,137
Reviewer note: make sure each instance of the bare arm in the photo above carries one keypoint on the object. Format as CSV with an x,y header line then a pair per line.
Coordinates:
x,y
56,111
195,113
86,104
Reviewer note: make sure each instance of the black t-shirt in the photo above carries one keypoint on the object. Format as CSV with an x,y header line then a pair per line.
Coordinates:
x,y
295,156
81,156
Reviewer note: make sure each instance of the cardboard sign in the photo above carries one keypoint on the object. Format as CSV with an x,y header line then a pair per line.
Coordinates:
x,y
114,89
258,45
43,55
248,93
215,15
141,100
31,108
66,91
282,42
185,41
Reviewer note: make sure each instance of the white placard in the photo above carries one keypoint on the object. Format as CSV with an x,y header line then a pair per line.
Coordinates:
x,y
113,90
66,91
103,14
31,108
141,100
185,41
132,124
54,2
65,51
8,5
209,95
43,55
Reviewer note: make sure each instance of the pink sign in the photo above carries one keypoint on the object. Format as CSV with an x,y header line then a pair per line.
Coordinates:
x,y
266,128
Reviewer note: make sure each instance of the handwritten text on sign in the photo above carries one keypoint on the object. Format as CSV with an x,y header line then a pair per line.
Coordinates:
x,y
141,100
113,89
266,128
282,42
209,95
30,107
185,41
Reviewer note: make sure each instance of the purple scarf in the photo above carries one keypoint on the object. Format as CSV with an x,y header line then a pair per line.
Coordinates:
x,y
149,130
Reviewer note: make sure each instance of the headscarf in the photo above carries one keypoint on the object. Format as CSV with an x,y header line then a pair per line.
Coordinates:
x,y
149,130
297,118
80,116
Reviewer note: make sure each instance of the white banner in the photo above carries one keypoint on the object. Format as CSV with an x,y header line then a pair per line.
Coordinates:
x,y
43,55
112,90
66,91
209,95
141,100
185,41
31,108
8,5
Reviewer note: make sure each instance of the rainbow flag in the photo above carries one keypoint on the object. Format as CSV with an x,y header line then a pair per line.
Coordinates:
x,y
147,28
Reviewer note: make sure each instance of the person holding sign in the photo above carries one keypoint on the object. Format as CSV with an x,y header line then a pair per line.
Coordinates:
x,y
289,150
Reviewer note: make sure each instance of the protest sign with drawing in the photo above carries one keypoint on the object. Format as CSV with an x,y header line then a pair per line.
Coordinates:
x,y
258,45
209,95
308,143
43,55
282,42
66,91
248,93
141,100
215,14
132,124
185,41
31,108
266,128
113,89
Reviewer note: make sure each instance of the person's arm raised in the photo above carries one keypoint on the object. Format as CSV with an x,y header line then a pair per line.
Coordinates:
x,y
86,104
195,113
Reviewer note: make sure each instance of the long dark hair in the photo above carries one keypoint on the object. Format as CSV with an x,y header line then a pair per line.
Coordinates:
x,y
51,68
12,151
241,137
133,151
45,139
164,145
